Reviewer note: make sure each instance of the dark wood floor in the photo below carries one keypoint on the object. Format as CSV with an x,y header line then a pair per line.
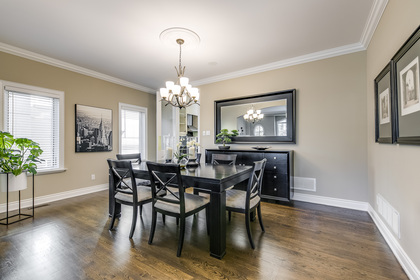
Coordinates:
x,y
69,239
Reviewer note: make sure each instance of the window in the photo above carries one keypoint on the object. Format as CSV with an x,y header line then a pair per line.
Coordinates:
x,y
259,130
38,114
133,120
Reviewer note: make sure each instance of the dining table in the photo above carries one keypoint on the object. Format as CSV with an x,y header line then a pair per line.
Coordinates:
x,y
214,179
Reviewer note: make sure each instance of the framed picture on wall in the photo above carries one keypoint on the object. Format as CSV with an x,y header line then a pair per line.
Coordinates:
x,y
405,72
384,107
93,129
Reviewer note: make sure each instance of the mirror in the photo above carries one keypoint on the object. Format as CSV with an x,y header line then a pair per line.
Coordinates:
x,y
272,118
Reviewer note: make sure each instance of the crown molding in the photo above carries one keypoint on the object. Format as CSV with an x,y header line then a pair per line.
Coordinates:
x,y
284,63
71,67
374,17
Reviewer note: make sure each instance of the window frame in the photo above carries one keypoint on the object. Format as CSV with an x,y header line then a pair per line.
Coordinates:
x,y
122,106
28,89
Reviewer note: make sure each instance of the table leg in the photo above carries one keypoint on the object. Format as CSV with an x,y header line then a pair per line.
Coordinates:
x,y
218,224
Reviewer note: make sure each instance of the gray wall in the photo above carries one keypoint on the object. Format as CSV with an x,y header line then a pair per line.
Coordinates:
x,y
393,170
331,120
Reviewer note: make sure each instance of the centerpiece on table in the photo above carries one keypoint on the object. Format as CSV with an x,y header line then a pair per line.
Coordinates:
x,y
180,157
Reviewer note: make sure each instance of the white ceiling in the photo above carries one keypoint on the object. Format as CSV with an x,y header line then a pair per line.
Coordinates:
x,y
119,40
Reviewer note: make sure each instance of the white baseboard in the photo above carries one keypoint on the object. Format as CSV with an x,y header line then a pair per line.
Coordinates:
x,y
337,202
409,267
52,197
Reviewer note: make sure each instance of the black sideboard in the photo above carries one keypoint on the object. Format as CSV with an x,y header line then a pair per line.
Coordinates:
x,y
278,174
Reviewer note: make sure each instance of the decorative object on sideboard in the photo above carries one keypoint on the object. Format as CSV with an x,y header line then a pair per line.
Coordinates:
x,y
261,148
17,157
225,137
179,94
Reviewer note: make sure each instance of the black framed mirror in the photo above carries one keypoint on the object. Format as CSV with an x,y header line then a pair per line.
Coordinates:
x,y
273,119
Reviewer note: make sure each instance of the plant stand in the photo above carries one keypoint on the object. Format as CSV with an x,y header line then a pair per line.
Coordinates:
x,y
21,215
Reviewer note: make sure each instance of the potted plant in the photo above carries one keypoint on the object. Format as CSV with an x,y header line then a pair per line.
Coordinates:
x,y
225,137
17,156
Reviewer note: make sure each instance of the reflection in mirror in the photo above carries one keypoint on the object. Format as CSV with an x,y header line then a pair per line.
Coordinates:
x,y
271,120
263,118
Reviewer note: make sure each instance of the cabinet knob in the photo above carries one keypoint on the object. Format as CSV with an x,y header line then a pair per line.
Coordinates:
x,y
275,157
275,167
275,189
275,177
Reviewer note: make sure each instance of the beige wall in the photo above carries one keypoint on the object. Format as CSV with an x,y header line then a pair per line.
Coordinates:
x,y
331,120
394,169
79,89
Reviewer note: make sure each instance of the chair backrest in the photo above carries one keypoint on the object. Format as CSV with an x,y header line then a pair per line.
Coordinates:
x,y
134,158
255,181
229,159
123,178
164,178
198,157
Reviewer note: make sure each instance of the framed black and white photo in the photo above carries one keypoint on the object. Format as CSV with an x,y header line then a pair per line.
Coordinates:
x,y
384,107
93,129
405,72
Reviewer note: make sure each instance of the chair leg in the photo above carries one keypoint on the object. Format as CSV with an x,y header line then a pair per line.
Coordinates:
x,y
141,209
248,229
163,218
177,221
152,229
111,225
181,237
134,221
230,215
259,217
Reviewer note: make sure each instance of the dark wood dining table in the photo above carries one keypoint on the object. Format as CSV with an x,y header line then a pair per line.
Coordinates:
x,y
215,179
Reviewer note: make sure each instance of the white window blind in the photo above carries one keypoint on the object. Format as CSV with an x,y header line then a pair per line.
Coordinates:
x,y
132,129
33,115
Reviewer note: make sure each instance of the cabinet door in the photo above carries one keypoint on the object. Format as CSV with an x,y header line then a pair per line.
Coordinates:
x,y
248,158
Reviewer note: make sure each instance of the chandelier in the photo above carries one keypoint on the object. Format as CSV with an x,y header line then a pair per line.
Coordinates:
x,y
179,94
253,116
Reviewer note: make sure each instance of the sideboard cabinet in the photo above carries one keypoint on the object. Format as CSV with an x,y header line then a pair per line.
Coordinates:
x,y
278,174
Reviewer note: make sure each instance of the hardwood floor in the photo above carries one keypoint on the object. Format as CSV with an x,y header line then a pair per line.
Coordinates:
x,y
69,239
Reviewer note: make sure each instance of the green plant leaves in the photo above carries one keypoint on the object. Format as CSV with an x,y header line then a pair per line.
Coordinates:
x,y
18,154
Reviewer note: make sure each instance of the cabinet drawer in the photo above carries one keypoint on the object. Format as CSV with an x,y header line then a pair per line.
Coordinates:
x,y
275,184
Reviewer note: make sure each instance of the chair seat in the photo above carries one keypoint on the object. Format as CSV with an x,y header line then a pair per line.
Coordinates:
x,y
236,199
143,193
192,202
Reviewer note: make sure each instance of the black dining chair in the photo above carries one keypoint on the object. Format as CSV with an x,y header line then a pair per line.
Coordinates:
x,y
177,203
126,192
247,201
229,159
136,159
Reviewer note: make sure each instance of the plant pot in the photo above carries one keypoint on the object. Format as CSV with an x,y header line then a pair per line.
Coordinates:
x,y
16,183
224,147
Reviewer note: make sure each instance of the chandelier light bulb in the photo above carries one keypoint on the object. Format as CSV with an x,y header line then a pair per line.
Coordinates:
x,y
164,93
176,90
183,81
170,85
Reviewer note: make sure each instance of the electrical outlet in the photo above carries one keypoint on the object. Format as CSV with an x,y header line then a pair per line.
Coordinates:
x,y
92,176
